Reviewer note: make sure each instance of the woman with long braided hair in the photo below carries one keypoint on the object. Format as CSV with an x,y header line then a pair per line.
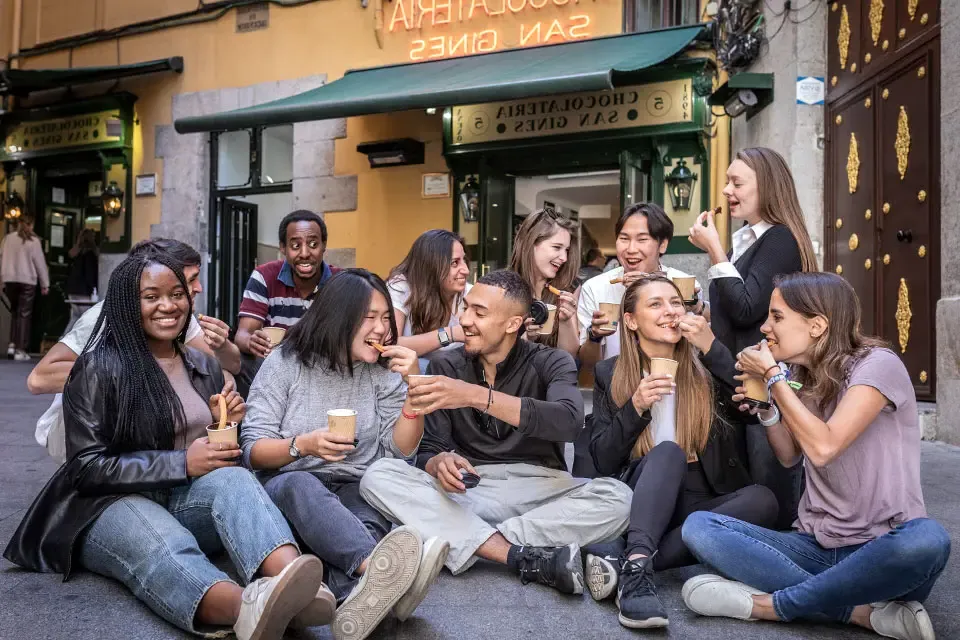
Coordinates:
x,y
144,495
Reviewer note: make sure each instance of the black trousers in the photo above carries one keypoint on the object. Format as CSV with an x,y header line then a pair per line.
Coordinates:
x,y
22,297
667,489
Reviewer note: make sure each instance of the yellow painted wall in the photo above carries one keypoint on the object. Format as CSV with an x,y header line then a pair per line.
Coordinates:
x,y
324,37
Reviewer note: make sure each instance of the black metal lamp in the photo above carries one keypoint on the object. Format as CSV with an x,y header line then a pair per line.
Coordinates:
x,y
112,199
470,200
681,181
13,206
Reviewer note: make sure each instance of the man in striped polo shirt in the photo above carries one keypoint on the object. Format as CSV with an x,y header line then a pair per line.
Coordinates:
x,y
280,292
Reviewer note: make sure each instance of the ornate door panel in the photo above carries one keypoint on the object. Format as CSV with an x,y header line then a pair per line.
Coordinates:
x,y
909,192
882,197
852,235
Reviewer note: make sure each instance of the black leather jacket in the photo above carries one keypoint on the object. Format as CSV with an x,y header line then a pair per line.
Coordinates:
x,y
724,459
93,478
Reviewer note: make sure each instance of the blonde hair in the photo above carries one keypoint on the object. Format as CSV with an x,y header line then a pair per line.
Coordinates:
x,y
694,389
779,203
536,228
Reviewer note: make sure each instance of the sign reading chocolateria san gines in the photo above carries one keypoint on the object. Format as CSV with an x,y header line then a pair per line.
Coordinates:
x,y
74,131
626,107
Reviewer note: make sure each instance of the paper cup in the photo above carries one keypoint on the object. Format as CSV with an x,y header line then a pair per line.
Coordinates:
x,y
612,311
342,422
227,435
547,328
275,335
687,286
663,365
757,394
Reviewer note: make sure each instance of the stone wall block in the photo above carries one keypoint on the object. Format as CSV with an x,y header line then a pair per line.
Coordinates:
x,y
164,139
313,159
309,83
185,171
343,258
319,130
185,105
948,369
338,193
950,201
270,91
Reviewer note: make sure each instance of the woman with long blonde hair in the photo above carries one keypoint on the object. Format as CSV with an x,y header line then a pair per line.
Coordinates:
x,y
863,550
676,440
546,253
773,240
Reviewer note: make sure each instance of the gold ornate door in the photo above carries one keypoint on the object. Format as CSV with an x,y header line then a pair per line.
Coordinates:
x,y
882,203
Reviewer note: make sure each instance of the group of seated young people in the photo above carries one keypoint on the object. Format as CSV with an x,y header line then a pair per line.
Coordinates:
x,y
464,405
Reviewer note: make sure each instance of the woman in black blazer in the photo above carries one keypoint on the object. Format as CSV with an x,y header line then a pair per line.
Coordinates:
x,y
760,193
678,442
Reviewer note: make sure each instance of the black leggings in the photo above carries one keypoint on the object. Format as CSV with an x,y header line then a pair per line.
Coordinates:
x,y
666,489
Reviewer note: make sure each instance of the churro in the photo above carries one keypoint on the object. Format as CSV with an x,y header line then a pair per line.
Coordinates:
x,y
552,289
376,345
616,281
223,412
718,210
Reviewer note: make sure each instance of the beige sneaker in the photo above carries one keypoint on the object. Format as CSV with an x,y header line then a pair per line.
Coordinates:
x,y
711,595
901,620
270,603
391,569
434,555
319,612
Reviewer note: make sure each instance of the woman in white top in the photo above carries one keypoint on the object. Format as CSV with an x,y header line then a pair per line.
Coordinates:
x,y
426,290
546,253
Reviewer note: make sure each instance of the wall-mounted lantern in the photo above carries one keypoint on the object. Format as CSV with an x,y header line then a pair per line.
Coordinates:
x,y
470,200
744,93
13,206
680,182
112,199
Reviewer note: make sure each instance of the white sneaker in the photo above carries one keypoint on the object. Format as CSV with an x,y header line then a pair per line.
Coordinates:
x,y
21,356
901,620
711,595
11,351
602,576
391,569
270,603
434,555
319,612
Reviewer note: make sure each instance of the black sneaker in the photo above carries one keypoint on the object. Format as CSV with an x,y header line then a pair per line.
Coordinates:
x,y
640,606
557,567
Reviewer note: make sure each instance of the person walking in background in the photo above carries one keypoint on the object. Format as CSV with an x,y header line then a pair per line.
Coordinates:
x,y
427,289
864,550
773,240
593,263
331,361
84,273
546,255
677,441
145,497
23,268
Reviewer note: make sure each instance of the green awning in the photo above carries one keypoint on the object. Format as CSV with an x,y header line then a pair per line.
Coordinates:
x,y
21,82
585,65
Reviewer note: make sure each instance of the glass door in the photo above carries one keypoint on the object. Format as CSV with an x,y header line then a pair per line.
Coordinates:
x,y
484,217
634,178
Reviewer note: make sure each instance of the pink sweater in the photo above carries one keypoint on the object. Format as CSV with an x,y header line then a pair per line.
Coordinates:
x,y
23,261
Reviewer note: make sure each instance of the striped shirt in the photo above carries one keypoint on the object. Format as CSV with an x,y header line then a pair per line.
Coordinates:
x,y
272,297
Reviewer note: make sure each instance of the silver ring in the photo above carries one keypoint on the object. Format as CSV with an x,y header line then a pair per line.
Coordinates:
x,y
219,446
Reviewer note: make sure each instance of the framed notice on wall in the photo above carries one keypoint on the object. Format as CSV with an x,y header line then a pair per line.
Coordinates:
x,y
436,185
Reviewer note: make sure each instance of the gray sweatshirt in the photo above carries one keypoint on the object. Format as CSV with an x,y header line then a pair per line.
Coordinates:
x,y
289,399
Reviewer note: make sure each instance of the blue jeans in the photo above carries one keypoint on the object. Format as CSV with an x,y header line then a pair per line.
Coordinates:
x,y
785,482
332,521
816,583
158,545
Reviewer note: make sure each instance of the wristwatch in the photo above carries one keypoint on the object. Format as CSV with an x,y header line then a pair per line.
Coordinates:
x,y
294,452
444,337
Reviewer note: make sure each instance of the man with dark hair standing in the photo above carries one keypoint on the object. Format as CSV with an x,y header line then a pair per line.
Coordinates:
x,y
501,408
280,292
205,333
593,263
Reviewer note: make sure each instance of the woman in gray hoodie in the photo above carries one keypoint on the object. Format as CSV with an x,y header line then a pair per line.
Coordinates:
x,y
343,355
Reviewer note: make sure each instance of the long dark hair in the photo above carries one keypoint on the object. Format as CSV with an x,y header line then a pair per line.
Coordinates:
x,y
828,295
425,268
324,335
139,401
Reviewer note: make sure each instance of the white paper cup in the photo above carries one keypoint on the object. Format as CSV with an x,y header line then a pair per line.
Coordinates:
x,y
547,328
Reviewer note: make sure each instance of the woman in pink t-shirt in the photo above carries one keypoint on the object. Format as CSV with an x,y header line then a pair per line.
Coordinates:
x,y
863,550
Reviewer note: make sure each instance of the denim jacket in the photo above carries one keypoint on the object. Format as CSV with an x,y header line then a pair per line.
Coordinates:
x,y
93,477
